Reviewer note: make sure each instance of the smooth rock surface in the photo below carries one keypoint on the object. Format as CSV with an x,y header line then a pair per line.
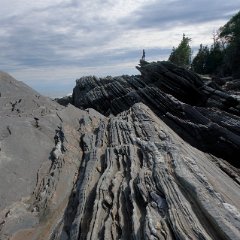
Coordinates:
x,y
29,174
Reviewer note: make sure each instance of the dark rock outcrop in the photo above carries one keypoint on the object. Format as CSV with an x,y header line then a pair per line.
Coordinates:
x,y
125,175
233,85
64,100
200,112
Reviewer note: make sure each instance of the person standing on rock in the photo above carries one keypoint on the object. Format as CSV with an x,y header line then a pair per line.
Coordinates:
x,y
143,56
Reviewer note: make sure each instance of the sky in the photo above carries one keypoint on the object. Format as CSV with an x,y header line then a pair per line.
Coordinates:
x,y
48,44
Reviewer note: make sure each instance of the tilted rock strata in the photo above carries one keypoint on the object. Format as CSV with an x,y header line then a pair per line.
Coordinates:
x,y
127,176
139,180
200,112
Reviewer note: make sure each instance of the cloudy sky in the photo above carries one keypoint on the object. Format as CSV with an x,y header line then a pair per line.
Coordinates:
x,y
50,43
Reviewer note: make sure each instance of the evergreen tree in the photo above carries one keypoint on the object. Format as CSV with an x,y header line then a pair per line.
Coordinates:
x,y
199,63
209,61
181,55
231,30
215,58
230,35
223,58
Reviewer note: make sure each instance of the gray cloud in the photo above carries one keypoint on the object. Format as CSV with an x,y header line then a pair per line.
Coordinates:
x,y
168,14
94,34
38,38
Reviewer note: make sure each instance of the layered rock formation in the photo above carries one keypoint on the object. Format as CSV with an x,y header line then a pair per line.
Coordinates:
x,y
143,166
201,112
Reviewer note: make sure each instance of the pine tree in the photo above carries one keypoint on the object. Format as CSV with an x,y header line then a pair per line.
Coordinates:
x,y
199,63
215,58
181,55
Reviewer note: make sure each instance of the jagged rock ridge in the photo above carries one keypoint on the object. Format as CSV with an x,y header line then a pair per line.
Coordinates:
x,y
200,112
125,175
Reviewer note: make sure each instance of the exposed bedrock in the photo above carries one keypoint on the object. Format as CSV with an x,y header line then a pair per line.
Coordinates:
x,y
74,174
200,111
139,180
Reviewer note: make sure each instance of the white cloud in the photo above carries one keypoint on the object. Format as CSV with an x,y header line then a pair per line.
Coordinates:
x,y
18,7
47,42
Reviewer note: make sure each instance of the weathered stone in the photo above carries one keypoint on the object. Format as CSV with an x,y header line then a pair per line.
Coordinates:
x,y
201,112
126,175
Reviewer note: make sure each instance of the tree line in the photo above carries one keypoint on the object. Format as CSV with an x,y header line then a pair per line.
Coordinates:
x,y
221,58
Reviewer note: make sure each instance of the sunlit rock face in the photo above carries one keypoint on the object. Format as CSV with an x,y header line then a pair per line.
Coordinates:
x,y
153,156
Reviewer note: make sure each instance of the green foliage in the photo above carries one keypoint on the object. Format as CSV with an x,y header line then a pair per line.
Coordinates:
x,y
230,36
215,58
208,61
223,58
181,55
200,61
231,30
